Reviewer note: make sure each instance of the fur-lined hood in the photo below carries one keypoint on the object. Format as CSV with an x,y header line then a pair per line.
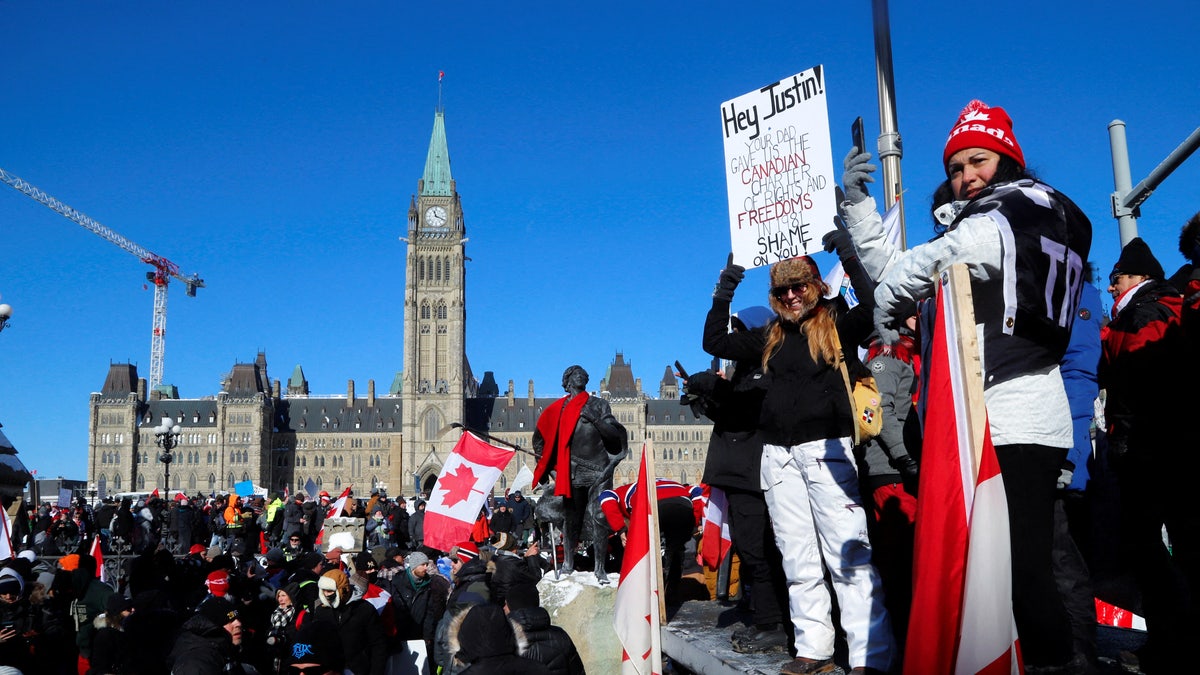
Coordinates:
x,y
486,634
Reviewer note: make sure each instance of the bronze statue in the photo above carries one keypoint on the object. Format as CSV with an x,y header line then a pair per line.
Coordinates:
x,y
578,437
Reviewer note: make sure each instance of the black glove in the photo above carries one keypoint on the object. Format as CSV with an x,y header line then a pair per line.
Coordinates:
x,y
907,466
728,282
840,240
857,174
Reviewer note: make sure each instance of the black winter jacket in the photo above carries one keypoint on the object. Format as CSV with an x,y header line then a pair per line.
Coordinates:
x,y
361,631
547,644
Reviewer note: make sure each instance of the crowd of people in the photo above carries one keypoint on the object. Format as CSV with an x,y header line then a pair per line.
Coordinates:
x,y
1089,464
250,589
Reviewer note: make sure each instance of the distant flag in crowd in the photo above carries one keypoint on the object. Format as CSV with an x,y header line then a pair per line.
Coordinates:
x,y
524,479
334,511
244,488
470,473
96,553
716,540
836,278
6,547
635,608
311,490
441,74
962,580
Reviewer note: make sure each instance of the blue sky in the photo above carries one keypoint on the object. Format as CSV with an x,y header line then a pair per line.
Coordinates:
x,y
273,146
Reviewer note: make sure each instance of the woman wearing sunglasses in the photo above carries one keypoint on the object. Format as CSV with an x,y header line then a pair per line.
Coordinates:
x,y
808,474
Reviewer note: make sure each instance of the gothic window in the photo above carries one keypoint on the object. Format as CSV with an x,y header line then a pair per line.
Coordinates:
x,y
245,476
433,424
683,477
231,482
233,457
116,482
447,259
438,276
192,481
441,330
664,454
425,310
212,482
141,482
337,483
421,268
441,310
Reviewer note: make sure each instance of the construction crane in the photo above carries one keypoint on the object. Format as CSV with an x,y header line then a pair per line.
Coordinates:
x,y
163,269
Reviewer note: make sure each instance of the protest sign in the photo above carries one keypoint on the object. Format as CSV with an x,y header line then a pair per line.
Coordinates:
x,y
779,169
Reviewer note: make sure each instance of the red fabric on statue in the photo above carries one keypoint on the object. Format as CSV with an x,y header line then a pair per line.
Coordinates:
x,y
556,425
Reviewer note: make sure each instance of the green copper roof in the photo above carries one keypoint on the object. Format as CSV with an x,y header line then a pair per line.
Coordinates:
x,y
397,384
437,164
297,379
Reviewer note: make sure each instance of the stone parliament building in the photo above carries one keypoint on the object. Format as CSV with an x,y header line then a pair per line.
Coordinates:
x,y
281,437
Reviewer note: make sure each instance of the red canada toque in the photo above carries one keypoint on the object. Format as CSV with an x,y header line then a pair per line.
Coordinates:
x,y
979,126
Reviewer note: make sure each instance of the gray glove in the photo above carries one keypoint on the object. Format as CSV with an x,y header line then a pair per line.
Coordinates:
x,y
857,174
884,327
1065,476
728,282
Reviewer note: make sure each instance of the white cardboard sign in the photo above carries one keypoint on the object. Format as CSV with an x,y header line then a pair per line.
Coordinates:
x,y
779,169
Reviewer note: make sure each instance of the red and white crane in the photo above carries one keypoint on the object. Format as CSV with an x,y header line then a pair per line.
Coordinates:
x,y
163,269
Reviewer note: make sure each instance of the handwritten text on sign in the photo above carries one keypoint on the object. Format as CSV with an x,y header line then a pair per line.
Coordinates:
x,y
779,170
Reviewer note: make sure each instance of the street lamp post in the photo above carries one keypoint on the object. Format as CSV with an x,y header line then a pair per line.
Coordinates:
x,y
166,436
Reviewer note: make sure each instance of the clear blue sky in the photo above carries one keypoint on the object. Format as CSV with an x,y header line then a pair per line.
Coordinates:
x,y
273,146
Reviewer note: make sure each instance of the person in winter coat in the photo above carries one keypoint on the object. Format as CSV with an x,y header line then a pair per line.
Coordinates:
x,y
522,514
471,586
110,646
399,517
513,568
416,526
548,644
1141,345
92,595
209,642
807,426
15,621
1024,245
419,595
358,624
502,520
487,643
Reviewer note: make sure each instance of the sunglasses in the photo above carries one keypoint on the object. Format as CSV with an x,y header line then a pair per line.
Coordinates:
x,y
797,288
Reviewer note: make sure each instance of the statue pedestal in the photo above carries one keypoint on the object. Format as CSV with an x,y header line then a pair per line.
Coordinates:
x,y
584,608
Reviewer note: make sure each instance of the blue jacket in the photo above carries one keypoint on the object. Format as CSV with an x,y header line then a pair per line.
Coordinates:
x,y
1079,366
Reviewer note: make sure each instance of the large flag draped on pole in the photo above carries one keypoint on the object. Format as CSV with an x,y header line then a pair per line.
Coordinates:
x,y
636,606
471,472
961,620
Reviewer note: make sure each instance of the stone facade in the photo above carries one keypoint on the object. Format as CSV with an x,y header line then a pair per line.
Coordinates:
x,y
284,438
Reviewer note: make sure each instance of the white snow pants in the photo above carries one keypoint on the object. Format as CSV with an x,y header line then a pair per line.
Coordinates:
x,y
813,499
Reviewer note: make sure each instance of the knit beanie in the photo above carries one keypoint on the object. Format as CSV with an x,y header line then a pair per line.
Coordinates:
x,y
218,610
318,642
218,583
465,551
979,126
1136,258
11,582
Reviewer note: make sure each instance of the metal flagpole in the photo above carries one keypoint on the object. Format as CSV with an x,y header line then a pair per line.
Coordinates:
x,y
890,147
1127,198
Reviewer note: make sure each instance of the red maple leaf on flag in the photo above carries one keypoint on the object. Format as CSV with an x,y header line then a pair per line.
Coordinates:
x,y
458,486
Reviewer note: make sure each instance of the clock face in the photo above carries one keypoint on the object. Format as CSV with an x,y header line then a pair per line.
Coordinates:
x,y
435,216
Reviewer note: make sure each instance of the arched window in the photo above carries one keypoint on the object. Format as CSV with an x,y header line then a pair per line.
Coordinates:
x,y
441,310
433,424
116,481
245,476
337,483
192,481
212,482
421,268
232,480
438,275
141,482
424,310
683,477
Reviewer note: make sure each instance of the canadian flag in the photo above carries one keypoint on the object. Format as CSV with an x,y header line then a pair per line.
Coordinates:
x,y
334,511
470,473
716,541
961,614
635,607
96,553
